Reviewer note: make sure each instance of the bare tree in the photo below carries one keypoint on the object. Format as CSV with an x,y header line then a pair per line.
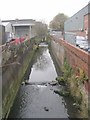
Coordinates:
x,y
41,29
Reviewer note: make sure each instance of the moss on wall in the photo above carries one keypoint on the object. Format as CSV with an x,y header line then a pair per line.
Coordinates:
x,y
15,83
75,79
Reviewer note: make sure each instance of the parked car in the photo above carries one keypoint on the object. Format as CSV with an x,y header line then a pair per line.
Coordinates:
x,y
83,44
79,39
89,50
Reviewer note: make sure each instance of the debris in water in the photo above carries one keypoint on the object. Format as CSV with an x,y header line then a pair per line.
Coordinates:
x,y
27,82
46,109
53,83
23,83
62,93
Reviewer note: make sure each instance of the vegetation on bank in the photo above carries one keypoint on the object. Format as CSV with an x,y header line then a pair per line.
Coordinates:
x,y
15,74
74,80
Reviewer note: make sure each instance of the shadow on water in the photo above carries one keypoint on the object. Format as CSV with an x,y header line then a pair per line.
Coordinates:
x,y
40,100
39,65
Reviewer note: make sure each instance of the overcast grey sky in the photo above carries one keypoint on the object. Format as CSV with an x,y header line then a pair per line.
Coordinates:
x,y
43,10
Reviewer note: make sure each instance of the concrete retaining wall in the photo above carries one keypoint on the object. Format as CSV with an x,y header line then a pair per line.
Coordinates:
x,y
58,52
13,75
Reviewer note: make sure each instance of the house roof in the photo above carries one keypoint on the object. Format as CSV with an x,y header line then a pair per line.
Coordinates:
x,y
23,24
22,21
5,23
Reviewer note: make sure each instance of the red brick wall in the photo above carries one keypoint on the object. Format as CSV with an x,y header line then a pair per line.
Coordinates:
x,y
77,57
89,27
86,22
79,33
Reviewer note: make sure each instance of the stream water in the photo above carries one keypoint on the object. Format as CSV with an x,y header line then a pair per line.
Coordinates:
x,y
38,99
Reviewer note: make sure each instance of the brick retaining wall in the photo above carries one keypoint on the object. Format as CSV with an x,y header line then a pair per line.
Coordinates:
x,y
76,58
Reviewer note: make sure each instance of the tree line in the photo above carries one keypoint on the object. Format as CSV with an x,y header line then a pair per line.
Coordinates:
x,y
56,24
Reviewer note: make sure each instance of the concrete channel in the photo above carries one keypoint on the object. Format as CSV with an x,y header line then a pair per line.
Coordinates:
x,y
36,97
